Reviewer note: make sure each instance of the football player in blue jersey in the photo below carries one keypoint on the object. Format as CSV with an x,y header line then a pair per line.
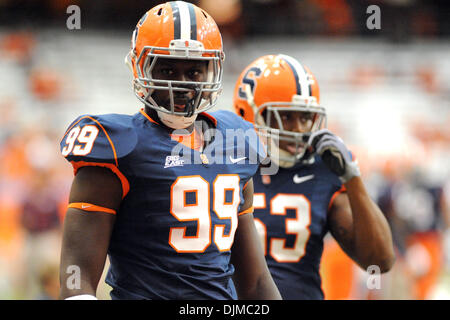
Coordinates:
x,y
318,188
156,191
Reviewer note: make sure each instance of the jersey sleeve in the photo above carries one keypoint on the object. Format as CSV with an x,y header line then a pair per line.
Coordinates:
x,y
99,141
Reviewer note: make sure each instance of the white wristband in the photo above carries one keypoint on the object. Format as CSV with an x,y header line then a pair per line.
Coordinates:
x,y
82,297
352,170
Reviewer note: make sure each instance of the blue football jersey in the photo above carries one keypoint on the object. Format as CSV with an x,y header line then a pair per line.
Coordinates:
x,y
176,223
291,218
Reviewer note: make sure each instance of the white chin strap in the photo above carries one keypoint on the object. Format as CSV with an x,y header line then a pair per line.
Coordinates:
x,y
176,122
276,153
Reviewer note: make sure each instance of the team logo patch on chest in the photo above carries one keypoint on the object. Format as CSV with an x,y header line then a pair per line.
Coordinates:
x,y
173,161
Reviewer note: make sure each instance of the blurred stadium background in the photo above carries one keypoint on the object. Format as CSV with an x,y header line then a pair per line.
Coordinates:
x,y
387,94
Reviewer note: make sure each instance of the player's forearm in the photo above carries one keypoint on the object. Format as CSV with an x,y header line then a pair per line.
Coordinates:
x,y
85,289
84,251
264,289
251,277
371,232
267,290
79,275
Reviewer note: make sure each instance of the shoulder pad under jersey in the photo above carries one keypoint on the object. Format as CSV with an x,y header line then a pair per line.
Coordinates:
x,y
230,120
100,139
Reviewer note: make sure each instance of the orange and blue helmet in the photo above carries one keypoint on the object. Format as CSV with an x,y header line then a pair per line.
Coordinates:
x,y
278,83
176,30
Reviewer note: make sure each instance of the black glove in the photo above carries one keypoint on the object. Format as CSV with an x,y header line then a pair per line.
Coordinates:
x,y
334,154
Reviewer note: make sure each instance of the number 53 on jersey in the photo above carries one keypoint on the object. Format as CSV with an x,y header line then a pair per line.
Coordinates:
x,y
298,226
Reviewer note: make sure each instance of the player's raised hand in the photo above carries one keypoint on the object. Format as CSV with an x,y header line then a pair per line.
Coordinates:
x,y
334,154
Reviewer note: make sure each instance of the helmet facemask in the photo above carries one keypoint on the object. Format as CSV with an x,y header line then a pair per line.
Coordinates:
x,y
275,132
280,96
206,92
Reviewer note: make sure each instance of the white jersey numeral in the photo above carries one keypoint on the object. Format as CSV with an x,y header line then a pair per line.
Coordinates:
x,y
298,226
199,211
85,137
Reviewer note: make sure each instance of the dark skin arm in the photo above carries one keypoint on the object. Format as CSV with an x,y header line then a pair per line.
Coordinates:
x,y
86,234
252,278
360,228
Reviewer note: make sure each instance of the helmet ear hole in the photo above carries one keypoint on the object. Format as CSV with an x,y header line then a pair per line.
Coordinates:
x,y
241,112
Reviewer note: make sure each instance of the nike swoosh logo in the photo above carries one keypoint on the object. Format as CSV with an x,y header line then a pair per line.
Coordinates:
x,y
298,179
233,160
84,207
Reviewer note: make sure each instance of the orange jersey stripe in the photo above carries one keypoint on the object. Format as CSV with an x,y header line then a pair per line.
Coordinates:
x,y
249,210
210,117
125,184
148,117
341,190
106,134
109,139
90,207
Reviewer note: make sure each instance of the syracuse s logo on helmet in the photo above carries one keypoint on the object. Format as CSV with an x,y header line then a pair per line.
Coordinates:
x,y
247,80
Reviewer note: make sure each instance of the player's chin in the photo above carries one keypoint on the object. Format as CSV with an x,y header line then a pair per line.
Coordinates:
x,y
292,149
179,107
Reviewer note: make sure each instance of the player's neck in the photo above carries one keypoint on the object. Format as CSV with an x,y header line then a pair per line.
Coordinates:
x,y
154,115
